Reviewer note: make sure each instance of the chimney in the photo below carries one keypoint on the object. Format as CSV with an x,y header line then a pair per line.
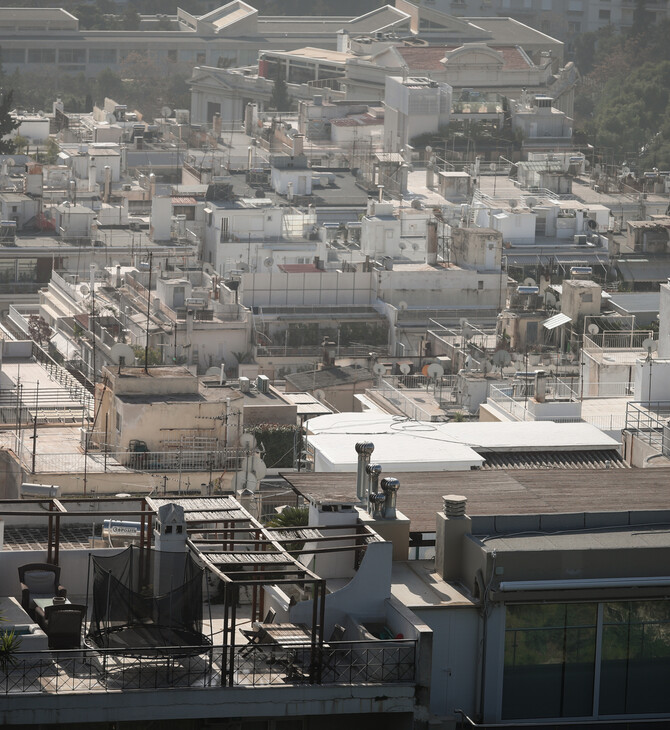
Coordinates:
x,y
217,126
108,184
364,449
118,276
453,525
152,186
390,486
250,157
373,471
289,193
431,243
298,144
92,174
430,176
377,501
540,386
380,189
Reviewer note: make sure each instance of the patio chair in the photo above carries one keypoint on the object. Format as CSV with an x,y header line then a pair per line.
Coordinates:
x,y
253,634
39,580
62,624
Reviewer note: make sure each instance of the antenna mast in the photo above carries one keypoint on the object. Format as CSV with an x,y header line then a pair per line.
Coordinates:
x,y
146,347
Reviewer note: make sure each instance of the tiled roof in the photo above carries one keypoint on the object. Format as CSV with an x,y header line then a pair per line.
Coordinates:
x,y
428,58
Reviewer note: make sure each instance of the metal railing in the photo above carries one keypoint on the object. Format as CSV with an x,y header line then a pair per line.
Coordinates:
x,y
650,422
109,460
399,398
251,665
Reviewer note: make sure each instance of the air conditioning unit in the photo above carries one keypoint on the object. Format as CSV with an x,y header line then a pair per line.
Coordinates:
x,y
244,385
262,383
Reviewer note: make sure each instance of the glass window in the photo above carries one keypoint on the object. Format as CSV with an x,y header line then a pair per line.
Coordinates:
x,y
604,14
7,270
102,55
27,269
549,660
72,55
41,55
635,664
14,55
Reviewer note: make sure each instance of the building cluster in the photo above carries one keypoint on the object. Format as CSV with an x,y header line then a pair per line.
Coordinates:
x,y
353,410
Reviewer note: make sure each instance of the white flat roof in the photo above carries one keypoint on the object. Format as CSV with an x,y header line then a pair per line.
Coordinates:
x,y
395,451
426,436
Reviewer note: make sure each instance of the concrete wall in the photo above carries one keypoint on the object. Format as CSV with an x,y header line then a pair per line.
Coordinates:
x,y
308,289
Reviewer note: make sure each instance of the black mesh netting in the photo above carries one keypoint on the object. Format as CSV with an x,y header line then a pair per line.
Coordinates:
x,y
145,606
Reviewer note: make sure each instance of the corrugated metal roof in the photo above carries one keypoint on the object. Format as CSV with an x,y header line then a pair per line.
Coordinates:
x,y
179,200
556,321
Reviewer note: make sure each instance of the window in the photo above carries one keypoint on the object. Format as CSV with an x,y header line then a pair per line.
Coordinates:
x,y
172,56
574,27
575,5
480,284
587,297
72,55
604,15
200,59
551,654
102,55
13,55
118,422
635,664
546,4
41,55
549,666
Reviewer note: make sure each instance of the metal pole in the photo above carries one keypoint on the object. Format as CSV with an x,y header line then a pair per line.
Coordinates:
x,y
34,436
105,446
146,346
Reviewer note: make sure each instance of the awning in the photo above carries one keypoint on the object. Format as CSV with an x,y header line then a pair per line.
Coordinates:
x,y
556,321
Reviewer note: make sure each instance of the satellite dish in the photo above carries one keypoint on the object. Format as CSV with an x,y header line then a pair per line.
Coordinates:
x,y
269,261
242,481
513,203
405,368
319,394
531,202
402,245
650,345
402,306
213,371
258,467
435,370
625,170
493,167
593,329
166,112
84,290
10,162
415,246
248,441
379,369
501,359
529,281
121,351
467,331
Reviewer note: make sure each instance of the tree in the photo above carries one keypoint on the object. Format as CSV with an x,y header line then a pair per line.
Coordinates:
x,y
130,19
38,329
7,124
280,99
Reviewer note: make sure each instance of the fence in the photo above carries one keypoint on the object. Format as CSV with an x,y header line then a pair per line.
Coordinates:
x,y
649,421
398,391
107,670
110,460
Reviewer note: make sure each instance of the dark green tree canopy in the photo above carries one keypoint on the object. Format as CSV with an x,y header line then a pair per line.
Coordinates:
x,y
7,123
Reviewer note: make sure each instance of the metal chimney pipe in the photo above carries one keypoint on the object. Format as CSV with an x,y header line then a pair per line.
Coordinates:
x,y
373,471
540,386
390,487
364,449
377,502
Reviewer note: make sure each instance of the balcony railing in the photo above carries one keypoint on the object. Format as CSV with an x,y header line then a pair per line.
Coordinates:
x,y
105,670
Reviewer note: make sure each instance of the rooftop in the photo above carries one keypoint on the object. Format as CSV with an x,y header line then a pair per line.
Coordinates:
x,y
329,377
514,492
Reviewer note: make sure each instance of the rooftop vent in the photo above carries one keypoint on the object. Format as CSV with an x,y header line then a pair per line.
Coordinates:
x,y
454,505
